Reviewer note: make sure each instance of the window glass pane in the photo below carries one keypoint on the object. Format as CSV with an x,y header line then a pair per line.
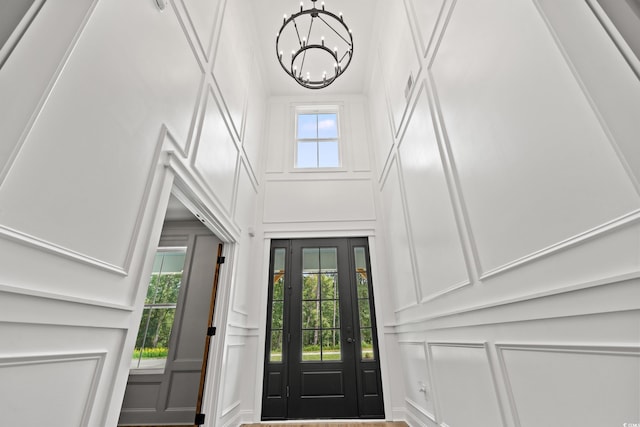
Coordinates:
x,y
307,155
278,287
361,263
327,125
310,314
311,345
330,314
361,273
275,350
331,345
366,344
328,154
329,285
310,289
278,260
307,126
310,260
158,315
167,288
329,259
276,314
365,314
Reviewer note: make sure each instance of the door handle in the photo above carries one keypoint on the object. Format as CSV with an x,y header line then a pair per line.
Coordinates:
x,y
350,340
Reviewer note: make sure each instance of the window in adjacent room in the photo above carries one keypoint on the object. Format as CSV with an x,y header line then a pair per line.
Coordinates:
x,y
317,139
152,343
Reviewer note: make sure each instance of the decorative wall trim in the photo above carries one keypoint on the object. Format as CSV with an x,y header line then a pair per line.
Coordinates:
x,y
63,298
204,184
446,20
463,223
415,407
46,359
52,248
629,57
204,45
39,105
599,231
485,347
242,330
19,30
453,288
230,408
554,348
186,183
523,299
235,129
615,35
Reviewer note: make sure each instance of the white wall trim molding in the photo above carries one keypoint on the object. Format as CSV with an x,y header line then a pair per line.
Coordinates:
x,y
602,350
47,359
203,182
237,330
226,411
615,35
415,407
45,246
420,324
45,89
627,54
19,30
492,371
463,223
190,187
596,232
192,34
236,129
287,232
32,293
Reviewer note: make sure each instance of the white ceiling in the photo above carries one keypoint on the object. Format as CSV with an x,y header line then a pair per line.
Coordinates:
x,y
358,15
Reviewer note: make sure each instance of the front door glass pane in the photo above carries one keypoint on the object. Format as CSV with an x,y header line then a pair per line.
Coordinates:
x,y
320,305
364,304
277,306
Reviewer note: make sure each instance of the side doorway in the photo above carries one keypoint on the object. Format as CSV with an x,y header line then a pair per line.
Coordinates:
x,y
321,358
167,369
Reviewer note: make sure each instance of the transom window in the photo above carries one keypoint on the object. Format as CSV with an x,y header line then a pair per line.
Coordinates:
x,y
317,139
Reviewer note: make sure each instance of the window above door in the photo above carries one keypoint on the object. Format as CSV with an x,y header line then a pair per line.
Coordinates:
x,y
318,142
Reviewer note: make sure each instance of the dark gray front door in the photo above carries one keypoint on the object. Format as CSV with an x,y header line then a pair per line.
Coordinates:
x,y
322,358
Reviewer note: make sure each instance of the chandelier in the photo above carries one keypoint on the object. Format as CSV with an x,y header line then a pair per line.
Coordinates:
x,y
321,46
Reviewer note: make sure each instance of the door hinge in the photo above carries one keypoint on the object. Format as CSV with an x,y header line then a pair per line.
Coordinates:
x,y
288,337
220,260
199,419
211,331
287,391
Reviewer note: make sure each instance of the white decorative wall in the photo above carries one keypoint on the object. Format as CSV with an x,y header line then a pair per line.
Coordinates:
x,y
107,106
509,195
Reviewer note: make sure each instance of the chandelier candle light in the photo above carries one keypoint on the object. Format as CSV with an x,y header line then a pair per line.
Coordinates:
x,y
321,46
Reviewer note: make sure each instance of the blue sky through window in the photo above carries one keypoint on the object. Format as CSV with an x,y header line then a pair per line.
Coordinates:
x,y
317,136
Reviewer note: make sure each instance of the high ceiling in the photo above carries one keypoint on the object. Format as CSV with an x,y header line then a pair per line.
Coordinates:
x,y
358,15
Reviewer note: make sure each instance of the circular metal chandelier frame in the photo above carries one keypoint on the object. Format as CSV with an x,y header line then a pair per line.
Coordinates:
x,y
340,63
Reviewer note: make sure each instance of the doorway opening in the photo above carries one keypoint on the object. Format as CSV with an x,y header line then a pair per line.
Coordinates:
x,y
321,358
166,380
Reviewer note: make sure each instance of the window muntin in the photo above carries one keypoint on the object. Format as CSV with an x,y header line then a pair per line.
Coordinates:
x,y
152,343
317,140
320,305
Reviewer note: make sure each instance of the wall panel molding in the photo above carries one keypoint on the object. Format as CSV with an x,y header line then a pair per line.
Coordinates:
x,y
7,363
602,230
589,350
422,323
